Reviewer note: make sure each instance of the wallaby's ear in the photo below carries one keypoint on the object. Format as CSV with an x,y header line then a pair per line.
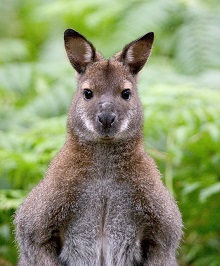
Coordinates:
x,y
135,54
79,50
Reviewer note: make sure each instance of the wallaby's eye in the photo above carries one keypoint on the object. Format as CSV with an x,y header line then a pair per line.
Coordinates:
x,y
126,94
88,94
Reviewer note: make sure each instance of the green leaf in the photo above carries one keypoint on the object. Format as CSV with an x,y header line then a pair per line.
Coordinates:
x,y
209,191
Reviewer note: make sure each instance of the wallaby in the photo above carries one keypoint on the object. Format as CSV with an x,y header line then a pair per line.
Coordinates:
x,y
102,202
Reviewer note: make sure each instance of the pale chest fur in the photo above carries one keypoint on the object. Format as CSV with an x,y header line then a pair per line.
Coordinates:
x,y
105,230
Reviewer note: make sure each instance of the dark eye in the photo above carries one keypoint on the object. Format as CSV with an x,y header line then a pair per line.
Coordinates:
x,y
126,94
88,94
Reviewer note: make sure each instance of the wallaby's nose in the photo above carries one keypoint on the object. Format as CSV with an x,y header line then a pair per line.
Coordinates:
x,y
106,119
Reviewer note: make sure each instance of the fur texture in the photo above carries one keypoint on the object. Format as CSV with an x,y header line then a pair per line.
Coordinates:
x,y
102,201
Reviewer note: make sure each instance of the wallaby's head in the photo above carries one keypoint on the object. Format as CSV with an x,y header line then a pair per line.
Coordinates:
x,y
106,106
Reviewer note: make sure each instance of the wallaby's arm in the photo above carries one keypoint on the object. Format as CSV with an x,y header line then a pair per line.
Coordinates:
x,y
36,231
162,233
44,211
162,237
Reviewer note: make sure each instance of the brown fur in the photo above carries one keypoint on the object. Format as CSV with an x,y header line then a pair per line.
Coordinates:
x,y
102,201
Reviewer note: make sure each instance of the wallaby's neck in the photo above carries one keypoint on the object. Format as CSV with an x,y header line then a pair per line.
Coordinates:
x,y
107,151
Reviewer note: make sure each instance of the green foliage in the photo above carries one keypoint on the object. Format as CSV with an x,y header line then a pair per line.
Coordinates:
x,y
182,131
179,90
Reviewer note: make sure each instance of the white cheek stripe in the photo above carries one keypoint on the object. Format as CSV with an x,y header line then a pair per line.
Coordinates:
x,y
124,125
87,123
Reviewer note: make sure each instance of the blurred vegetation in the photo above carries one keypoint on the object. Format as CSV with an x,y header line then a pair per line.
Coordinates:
x,y
180,91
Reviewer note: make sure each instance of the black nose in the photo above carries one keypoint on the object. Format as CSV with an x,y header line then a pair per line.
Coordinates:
x,y
106,119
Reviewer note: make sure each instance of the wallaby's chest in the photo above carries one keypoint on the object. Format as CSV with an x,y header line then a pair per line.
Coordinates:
x,y
104,230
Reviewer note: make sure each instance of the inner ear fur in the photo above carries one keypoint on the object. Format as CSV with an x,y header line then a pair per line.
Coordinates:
x,y
135,54
79,50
